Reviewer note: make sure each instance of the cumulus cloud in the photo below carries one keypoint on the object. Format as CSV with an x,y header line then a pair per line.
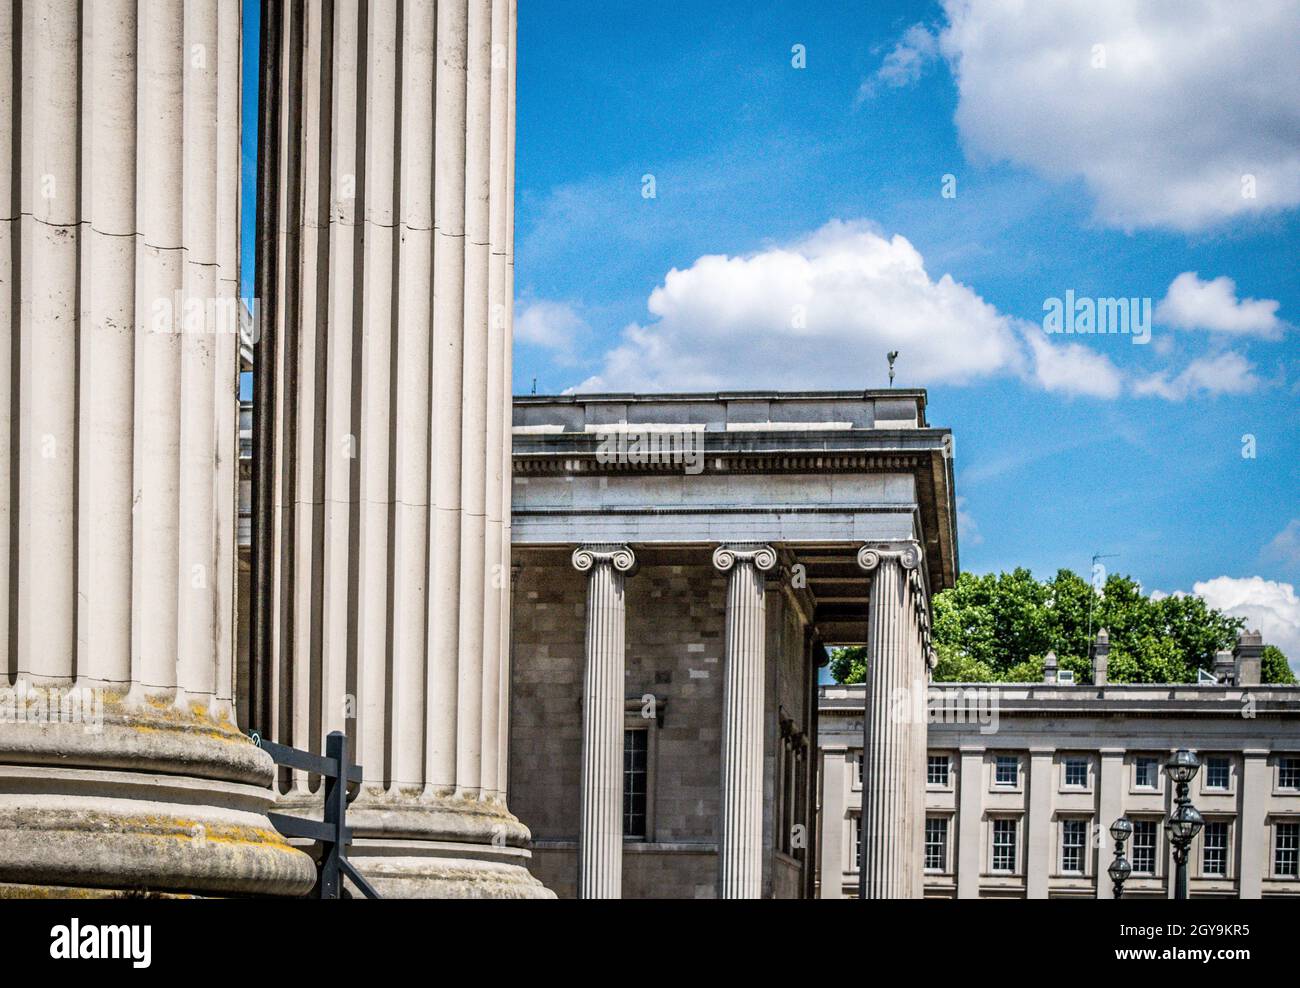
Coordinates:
x,y
1285,545
968,529
1223,373
1073,369
1270,607
905,61
821,312
1163,110
553,326
1192,303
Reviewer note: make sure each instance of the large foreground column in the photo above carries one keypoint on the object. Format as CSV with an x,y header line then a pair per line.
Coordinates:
x,y
740,859
121,766
894,734
391,569
600,841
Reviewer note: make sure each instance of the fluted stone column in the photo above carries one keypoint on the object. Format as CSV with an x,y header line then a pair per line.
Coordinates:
x,y
894,745
600,840
391,575
121,766
740,859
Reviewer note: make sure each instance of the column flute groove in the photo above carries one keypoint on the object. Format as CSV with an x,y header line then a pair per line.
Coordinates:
x,y
893,744
403,571
120,267
600,840
740,853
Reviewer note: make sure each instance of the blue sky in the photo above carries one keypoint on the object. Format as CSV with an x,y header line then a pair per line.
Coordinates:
x,y
1134,151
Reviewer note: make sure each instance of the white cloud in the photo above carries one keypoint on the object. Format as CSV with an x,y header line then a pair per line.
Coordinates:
x,y
1270,607
1285,545
821,312
554,326
968,529
1192,303
1192,97
1073,368
1223,373
905,62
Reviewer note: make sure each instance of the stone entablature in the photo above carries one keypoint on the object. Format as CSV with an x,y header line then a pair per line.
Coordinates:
x,y
814,471
724,410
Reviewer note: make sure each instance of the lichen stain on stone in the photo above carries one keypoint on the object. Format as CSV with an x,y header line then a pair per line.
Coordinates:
x,y
175,828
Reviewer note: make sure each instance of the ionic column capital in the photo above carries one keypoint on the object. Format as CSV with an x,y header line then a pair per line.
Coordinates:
x,y
728,554
907,554
620,556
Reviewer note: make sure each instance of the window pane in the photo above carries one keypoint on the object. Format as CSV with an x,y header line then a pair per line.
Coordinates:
x,y
1286,864
1147,773
635,750
1004,845
1076,772
1289,773
1144,847
1214,850
1074,838
1216,772
936,843
937,772
1007,771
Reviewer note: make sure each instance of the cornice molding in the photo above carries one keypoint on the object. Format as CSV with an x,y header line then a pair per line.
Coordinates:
x,y
721,462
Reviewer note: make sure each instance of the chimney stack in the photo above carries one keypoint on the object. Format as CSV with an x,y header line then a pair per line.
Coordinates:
x,y
1049,668
1247,658
1100,650
1224,667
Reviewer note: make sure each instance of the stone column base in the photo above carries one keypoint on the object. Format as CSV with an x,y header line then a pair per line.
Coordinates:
x,y
430,846
153,799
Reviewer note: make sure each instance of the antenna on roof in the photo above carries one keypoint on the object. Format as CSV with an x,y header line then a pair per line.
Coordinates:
x,y
892,355
534,385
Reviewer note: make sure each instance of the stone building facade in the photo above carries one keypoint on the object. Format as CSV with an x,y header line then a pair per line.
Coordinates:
x,y
678,561
1022,783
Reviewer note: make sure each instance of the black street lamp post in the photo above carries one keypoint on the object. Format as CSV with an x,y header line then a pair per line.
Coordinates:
x,y
1185,821
1120,869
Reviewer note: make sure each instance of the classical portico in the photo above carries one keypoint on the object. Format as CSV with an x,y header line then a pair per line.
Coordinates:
x,y
681,562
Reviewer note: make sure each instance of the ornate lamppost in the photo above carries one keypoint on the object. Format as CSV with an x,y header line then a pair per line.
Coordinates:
x,y
1121,830
1185,821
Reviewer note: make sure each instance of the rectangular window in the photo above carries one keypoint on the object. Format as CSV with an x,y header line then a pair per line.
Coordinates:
x,y
937,770
1286,846
1007,770
1217,772
1074,838
1214,850
1076,773
1004,845
857,843
1288,773
635,763
936,843
1144,847
1147,773
861,757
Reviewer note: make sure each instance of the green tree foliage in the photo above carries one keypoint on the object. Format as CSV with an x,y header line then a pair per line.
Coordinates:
x,y
1274,668
998,628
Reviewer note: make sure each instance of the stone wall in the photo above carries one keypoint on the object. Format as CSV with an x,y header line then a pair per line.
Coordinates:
x,y
675,646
